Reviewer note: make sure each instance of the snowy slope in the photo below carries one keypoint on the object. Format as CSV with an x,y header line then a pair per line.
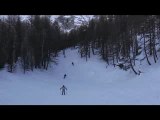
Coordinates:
x,y
87,83
78,20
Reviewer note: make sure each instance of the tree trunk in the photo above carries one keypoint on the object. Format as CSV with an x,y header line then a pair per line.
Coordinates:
x,y
145,50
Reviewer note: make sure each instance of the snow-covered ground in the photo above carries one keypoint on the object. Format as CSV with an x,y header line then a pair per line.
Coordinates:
x,y
88,83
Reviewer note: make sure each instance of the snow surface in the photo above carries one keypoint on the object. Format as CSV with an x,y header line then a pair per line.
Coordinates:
x,y
88,83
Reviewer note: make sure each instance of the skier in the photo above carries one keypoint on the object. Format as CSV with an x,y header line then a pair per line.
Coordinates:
x,y
63,88
72,63
65,76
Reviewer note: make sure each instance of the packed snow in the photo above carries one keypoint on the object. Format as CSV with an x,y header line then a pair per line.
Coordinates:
x,y
88,83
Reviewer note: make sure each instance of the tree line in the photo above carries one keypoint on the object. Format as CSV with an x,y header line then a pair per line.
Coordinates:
x,y
120,39
36,42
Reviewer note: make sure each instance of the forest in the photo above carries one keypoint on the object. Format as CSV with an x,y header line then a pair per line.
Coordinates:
x,y
34,43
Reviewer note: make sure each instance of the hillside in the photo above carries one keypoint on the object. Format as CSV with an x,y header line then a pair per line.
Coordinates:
x,y
87,83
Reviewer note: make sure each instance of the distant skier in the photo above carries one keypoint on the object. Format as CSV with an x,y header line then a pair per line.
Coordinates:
x,y
65,76
63,88
72,63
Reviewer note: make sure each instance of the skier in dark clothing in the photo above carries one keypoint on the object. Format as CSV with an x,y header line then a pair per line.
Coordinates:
x,y
63,88
65,76
72,63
